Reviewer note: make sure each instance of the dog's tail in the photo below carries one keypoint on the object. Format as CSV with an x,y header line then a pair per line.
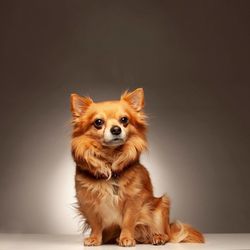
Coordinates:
x,y
180,232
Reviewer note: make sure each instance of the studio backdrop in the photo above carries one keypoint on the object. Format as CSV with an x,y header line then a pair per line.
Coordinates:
x,y
191,58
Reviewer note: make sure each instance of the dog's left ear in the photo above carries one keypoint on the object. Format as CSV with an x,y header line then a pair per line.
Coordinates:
x,y
79,104
134,98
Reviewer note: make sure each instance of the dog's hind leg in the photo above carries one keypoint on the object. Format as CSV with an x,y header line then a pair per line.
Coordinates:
x,y
160,228
153,223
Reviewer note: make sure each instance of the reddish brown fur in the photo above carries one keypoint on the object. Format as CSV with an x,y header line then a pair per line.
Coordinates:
x,y
122,208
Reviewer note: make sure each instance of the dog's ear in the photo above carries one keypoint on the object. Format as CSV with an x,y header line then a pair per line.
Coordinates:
x,y
134,98
79,104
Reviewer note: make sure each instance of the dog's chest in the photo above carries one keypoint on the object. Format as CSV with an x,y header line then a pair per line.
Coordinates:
x,y
109,207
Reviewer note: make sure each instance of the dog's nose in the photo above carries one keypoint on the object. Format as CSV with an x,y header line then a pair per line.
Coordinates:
x,y
115,130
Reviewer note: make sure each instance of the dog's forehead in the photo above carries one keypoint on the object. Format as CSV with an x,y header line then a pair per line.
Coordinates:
x,y
110,108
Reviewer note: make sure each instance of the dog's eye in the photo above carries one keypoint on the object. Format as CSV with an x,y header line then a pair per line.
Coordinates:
x,y
124,120
98,123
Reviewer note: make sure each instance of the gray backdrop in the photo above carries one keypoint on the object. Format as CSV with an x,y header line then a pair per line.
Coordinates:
x,y
192,59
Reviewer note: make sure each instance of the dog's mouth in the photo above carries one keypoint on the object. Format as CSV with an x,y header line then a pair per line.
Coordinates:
x,y
114,142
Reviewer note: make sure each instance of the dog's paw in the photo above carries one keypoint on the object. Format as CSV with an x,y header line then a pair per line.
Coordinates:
x,y
126,242
159,239
92,241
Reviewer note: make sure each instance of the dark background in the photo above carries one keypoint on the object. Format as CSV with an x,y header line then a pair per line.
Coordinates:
x,y
191,58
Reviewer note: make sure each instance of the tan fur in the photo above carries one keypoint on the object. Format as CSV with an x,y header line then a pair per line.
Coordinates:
x,y
113,189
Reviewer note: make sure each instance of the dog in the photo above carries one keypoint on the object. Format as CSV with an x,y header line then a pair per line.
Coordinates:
x,y
113,189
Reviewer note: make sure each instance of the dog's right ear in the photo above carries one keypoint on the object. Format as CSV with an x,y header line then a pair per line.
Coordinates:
x,y
79,104
134,98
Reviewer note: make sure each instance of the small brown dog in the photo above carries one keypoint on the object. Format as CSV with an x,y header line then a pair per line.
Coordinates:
x,y
113,189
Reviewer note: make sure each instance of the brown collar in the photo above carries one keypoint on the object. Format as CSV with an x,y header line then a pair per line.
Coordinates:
x,y
115,175
85,171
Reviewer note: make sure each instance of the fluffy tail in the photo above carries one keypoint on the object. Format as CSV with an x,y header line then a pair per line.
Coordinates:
x,y
180,232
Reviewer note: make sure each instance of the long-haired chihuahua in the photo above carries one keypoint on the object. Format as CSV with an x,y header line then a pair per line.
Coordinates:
x,y
113,189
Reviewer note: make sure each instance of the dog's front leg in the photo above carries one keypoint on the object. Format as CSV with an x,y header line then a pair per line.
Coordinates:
x,y
130,215
95,238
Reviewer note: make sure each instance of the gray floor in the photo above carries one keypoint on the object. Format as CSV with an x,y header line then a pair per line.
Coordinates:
x,y
74,242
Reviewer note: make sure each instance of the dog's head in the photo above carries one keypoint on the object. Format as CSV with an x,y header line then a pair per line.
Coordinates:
x,y
110,123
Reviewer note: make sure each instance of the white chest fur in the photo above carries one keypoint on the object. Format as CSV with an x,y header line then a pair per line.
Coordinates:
x,y
108,208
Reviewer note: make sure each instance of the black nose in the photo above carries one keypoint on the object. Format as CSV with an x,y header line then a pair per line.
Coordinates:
x,y
115,130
